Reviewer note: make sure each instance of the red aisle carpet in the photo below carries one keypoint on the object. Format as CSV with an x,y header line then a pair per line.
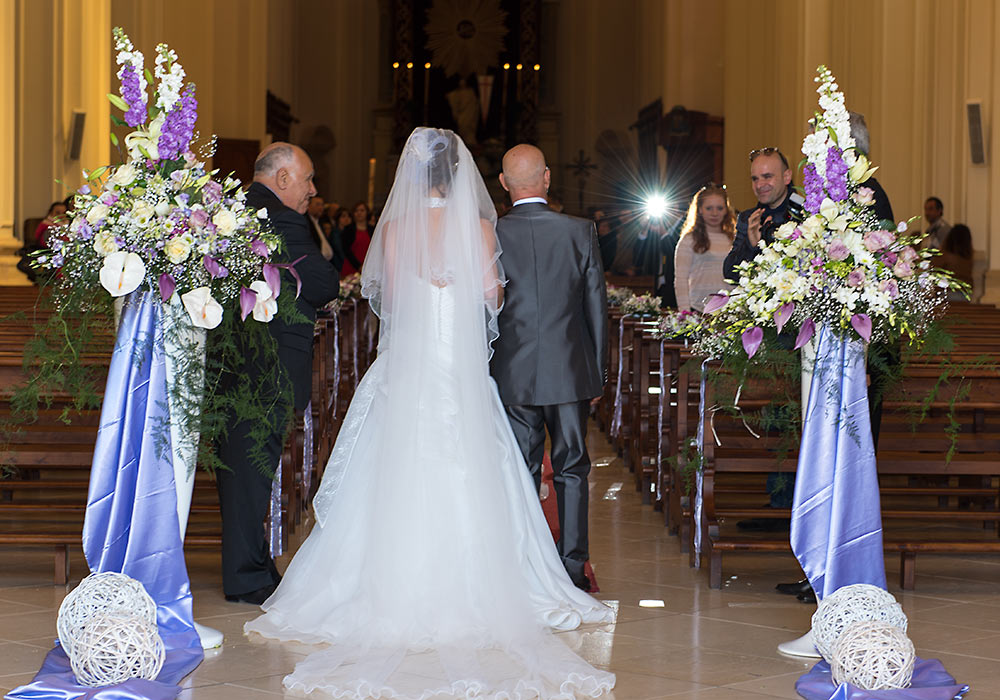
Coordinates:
x,y
551,511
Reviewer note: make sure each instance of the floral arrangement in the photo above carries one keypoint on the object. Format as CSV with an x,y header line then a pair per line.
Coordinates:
x,y
642,305
350,286
840,267
677,324
618,295
159,221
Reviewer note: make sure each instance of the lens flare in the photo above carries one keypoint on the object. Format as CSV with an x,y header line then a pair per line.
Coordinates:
x,y
656,206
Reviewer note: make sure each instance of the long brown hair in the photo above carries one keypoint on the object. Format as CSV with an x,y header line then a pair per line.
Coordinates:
x,y
694,225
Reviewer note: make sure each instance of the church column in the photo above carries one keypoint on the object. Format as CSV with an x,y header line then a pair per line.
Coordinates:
x,y
8,74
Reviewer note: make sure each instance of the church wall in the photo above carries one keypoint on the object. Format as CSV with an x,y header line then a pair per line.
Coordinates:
x,y
336,91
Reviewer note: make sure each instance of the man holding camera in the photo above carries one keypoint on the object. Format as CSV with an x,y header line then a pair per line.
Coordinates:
x,y
771,179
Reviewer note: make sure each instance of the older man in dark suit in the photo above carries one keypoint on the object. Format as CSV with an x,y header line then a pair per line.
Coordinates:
x,y
551,356
283,185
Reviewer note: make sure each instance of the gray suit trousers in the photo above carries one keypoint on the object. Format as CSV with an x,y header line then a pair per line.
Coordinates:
x,y
567,426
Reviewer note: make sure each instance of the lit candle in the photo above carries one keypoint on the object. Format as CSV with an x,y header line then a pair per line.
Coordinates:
x,y
371,183
395,81
519,67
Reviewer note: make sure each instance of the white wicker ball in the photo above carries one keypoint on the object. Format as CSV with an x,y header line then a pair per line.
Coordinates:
x,y
860,602
873,656
114,648
107,593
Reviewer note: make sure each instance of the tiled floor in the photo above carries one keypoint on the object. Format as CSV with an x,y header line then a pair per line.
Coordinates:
x,y
710,645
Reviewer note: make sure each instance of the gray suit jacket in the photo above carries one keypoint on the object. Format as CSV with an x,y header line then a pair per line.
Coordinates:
x,y
553,344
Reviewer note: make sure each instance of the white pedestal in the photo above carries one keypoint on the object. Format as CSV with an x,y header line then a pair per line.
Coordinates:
x,y
182,342
803,647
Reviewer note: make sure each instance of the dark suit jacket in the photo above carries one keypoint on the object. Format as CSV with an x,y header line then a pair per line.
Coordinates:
x,y
742,250
320,284
553,344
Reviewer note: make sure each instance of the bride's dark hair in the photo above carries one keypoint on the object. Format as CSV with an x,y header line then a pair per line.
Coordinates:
x,y
444,161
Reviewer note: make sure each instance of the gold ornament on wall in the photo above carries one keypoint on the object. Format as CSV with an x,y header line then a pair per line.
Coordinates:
x,y
465,36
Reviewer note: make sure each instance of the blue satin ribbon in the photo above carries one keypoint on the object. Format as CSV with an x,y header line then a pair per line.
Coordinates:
x,y
930,682
836,514
131,520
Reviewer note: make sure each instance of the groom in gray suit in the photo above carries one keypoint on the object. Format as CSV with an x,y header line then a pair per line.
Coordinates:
x,y
551,357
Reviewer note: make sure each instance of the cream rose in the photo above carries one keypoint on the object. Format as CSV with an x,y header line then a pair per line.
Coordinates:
x,y
105,244
177,249
225,222
98,212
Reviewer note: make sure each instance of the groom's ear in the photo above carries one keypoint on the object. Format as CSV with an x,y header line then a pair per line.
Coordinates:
x,y
503,184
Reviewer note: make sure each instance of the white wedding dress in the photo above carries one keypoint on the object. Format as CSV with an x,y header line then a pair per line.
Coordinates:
x,y
431,571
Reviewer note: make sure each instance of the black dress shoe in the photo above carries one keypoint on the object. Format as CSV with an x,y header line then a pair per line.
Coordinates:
x,y
807,597
253,597
797,588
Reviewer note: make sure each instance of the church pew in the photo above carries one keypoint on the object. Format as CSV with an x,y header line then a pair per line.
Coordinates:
x,y
44,504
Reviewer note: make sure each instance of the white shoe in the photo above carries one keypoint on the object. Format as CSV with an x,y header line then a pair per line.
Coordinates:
x,y
210,638
802,647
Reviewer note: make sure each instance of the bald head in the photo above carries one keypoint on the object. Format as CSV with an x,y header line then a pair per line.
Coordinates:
x,y
287,171
524,172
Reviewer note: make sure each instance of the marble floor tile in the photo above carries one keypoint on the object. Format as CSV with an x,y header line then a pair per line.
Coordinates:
x,y
702,644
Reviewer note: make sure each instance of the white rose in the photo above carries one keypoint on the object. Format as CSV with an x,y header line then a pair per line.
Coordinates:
x,y
225,222
98,212
105,244
162,208
177,249
124,175
142,212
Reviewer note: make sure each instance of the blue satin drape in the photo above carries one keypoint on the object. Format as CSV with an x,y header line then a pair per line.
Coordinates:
x,y
836,515
131,521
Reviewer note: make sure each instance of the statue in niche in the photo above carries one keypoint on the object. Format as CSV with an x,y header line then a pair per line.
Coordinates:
x,y
465,109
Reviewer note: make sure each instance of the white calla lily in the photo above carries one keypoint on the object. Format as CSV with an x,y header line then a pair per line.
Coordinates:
x,y
205,312
122,273
266,305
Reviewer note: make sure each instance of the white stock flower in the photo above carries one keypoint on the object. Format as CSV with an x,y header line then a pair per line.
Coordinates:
x,y
204,311
104,243
171,79
122,273
846,296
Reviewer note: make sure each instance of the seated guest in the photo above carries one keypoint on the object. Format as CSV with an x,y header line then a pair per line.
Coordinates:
x,y
706,237
957,256
937,227
355,239
57,211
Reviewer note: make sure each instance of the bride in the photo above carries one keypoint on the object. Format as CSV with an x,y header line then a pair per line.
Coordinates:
x,y
431,570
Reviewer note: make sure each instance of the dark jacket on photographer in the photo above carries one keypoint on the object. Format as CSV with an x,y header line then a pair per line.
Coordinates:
x,y
742,250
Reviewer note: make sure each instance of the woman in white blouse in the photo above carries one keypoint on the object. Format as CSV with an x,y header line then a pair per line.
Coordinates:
x,y
706,237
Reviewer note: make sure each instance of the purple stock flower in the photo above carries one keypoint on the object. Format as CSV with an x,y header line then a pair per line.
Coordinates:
x,y
84,189
178,127
836,174
223,245
58,260
856,278
133,95
814,189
